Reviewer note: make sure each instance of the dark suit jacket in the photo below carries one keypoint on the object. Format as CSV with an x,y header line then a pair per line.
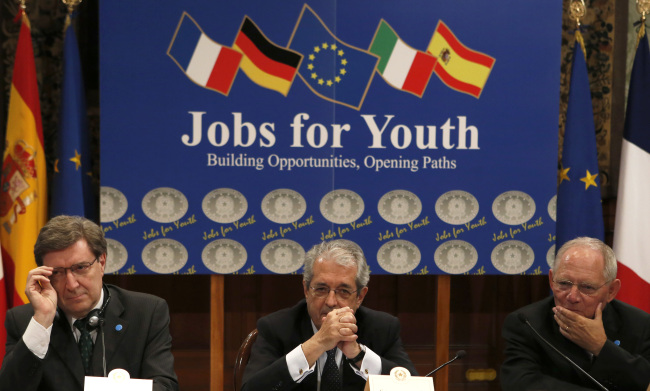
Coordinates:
x,y
283,331
137,339
623,363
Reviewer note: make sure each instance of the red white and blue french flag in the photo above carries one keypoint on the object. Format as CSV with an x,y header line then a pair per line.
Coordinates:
x,y
632,227
206,62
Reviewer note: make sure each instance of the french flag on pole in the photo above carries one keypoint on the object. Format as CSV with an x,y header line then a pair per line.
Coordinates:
x,y
632,229
204,61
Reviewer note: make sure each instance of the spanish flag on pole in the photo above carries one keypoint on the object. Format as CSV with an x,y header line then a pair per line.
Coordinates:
x,y
23,185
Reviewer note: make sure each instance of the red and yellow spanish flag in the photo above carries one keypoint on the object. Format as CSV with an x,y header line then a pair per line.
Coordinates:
x,y
458,66
3,312
265,63
23,195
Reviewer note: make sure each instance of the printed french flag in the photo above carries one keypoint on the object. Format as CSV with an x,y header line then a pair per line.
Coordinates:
x,y
632,226
204,61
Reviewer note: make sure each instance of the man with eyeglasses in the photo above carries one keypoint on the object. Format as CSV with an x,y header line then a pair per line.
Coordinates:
x,y
75,326
327,341
608,339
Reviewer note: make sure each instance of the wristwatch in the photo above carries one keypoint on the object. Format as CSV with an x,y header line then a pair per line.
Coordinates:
x,y
358,357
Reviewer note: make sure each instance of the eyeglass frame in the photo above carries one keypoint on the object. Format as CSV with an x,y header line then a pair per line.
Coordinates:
x,y
336,292
570,284
73,269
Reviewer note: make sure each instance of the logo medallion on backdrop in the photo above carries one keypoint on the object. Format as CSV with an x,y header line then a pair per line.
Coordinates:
x,y
455,257
513,207
113,204
399,207
164,205
224,256
456,207
552,208
224,205
282,256
283,206
342,206
164,256
116,256
512,257
399,256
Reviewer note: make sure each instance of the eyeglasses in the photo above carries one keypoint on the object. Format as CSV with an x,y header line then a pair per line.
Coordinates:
x,y
585,289
324,291
78,269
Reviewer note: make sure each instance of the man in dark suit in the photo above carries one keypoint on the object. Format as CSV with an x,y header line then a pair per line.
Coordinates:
x,y
608,339
73,322
327,341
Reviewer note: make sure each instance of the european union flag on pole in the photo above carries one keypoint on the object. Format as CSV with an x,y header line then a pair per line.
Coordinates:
x,y
332,69
579,209
72,191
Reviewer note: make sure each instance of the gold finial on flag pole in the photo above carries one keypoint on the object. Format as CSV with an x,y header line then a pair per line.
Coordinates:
x,y
577,10
643,6
71,4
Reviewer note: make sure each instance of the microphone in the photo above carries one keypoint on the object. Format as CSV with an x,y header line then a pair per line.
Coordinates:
x,y
459,354
522,318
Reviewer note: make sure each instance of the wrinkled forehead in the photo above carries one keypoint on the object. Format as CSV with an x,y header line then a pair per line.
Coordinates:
x,y
581,261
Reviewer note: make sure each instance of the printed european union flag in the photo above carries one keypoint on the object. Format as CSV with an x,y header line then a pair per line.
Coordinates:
x,y
579,209
332,69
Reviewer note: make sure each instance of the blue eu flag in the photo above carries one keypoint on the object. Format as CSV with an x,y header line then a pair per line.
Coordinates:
x,y
72,189
579,209
332,69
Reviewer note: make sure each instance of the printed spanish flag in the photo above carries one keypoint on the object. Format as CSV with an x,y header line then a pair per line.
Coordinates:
x,y
458,66
23,196
265,63
3,311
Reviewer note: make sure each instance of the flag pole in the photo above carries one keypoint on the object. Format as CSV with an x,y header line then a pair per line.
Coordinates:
x,y
642,7
577,10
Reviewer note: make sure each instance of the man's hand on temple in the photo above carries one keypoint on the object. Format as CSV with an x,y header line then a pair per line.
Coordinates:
x,y
41,295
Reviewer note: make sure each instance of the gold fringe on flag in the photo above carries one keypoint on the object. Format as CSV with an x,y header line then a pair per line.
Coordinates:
x,y
581,41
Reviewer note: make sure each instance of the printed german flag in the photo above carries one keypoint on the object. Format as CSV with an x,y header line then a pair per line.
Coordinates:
x,y
264,62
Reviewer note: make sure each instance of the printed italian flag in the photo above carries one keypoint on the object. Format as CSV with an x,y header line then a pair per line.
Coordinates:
x,y
400,65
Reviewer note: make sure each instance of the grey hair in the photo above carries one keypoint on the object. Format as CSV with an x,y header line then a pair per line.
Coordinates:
x,y
609,272
343,252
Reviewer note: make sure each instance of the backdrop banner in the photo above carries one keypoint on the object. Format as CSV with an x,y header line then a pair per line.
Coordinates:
x,y
235,135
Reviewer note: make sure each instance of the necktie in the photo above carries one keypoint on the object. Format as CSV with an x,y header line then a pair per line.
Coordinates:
x,y
331,377
85,343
